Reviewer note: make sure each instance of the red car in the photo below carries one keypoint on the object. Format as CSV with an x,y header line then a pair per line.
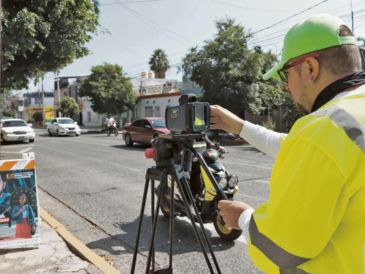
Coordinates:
x,y
143,130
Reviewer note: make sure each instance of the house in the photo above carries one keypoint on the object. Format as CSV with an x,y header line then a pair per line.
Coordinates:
x,y
38,102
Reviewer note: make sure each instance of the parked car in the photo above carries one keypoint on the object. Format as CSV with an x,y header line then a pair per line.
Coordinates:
x,y
143,130
13,130
63,126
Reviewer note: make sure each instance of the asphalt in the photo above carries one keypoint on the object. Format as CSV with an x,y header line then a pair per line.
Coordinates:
x,y
58,252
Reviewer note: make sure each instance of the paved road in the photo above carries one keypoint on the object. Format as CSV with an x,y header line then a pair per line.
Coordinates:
x,y
93,184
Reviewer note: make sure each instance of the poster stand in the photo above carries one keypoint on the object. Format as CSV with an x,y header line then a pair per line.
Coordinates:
x,y
19,206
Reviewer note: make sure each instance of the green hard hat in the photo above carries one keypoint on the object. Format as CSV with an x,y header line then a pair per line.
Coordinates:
x,y
315,33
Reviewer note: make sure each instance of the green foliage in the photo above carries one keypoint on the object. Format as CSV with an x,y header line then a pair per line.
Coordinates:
x,y
159,63
109,90
269,124
69,107
230,73
8,112
40,36
37,116
291,112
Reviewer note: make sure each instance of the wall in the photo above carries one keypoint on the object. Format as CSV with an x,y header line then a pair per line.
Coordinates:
x,y
154,102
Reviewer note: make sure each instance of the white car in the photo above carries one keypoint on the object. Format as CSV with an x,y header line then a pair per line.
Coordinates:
x,y
13,130
63,126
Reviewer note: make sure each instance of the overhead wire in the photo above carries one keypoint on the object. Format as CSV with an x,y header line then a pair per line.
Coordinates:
x,y
161,29
129,2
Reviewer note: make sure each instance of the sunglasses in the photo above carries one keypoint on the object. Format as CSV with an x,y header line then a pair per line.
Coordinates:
x,y
283,73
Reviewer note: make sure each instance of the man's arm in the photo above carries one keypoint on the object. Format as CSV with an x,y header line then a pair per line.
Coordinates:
x,y
266,140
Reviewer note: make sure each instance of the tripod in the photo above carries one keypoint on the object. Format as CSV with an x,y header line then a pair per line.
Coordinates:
x,y
178,173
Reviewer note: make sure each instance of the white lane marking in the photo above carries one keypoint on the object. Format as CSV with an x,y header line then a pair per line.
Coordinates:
x,y
266,182
133,169
240,163
25,150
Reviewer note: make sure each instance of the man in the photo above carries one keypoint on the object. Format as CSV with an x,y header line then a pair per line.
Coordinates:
x,y
314,220
110,123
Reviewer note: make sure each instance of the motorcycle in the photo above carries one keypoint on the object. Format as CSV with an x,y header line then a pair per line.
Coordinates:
x,y
205,195
112,129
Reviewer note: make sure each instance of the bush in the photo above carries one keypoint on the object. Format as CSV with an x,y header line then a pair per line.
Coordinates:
x,y
37,116
269,124
8,113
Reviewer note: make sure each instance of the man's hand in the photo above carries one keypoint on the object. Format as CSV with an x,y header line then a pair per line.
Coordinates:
x,y
231,211
221,118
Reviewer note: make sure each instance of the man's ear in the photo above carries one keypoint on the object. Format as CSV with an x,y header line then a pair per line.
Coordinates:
x,y
312,68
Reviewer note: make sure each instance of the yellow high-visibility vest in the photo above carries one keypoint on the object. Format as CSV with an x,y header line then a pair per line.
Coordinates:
x,y
314,220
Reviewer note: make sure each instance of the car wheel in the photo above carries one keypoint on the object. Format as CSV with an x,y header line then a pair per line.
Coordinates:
x,y
57,133
128,140
31,140
49,133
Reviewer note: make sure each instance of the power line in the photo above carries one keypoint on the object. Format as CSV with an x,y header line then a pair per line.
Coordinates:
x,y
171,34
130,2
245,8
287,18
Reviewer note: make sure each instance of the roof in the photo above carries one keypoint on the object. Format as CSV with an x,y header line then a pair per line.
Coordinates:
x,y
158,95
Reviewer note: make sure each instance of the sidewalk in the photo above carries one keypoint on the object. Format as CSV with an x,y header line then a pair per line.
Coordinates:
x,y
53,255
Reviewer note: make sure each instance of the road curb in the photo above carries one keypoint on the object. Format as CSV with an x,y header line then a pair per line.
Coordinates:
x,y
77,245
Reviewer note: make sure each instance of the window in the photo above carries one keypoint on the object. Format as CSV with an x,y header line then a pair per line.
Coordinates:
x,y
138,123
157,111
148,111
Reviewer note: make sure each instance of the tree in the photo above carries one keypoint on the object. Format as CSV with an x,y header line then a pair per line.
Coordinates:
x,y
159,63
40,36
109,89
69,107
230,73
37,116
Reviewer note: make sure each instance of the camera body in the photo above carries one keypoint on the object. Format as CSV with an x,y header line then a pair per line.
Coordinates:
x,y
188,117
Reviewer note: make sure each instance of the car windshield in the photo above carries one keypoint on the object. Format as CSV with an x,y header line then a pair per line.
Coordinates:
x,y
66,121
15,123
159,123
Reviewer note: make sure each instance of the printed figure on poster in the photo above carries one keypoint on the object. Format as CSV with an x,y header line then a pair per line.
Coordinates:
x,y
19,216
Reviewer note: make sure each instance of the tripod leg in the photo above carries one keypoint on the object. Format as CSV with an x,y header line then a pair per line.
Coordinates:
x,y
188,211
172,211
152,243
191,198
139,226
152,220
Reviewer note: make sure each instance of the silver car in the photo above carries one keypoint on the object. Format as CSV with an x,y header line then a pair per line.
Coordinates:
x,y
13,130
63,126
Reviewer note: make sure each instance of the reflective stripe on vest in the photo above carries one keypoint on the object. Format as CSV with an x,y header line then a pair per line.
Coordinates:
x,y
286,261
354,130
275,253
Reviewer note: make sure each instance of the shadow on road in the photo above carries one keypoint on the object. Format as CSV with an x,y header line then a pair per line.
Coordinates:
x,y
134,147
184,238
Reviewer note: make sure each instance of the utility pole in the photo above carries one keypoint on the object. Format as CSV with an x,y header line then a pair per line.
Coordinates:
x,y
352,19
43,109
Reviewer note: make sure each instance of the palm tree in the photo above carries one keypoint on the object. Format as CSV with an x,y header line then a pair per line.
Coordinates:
x,y
159,63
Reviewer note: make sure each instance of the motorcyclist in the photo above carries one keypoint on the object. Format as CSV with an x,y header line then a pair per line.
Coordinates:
x,y
110,124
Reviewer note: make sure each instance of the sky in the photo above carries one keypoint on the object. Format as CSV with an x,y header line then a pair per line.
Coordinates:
x,y
130,30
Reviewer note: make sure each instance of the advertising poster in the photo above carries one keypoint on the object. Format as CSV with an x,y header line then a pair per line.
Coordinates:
x,y
19,215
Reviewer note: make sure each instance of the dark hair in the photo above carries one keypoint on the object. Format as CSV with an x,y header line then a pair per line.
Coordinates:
x,y
341,60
